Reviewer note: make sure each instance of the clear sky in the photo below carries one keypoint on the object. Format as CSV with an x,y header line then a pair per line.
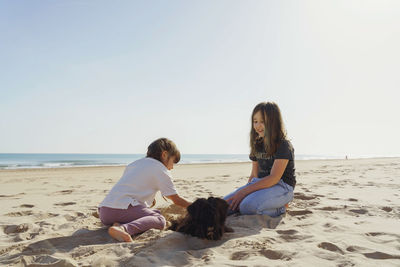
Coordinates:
x,y
112,76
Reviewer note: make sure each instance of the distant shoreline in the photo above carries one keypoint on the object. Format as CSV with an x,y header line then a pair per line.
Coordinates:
x,y
184,164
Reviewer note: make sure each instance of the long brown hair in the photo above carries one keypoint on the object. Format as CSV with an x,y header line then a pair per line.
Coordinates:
x,y
274,131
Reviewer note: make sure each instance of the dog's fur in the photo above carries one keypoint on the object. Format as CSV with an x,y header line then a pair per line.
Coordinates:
x,y
205,219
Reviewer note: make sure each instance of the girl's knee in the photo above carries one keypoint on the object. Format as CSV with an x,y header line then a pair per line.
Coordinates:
x,y
104,219
290,196
247,207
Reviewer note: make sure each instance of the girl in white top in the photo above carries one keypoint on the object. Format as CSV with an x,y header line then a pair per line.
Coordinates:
x,y
126,207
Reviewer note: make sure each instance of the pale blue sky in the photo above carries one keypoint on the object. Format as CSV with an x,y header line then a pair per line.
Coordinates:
x,y
110,77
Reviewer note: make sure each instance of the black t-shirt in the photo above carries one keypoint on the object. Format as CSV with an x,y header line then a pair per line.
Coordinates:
x,y
284,151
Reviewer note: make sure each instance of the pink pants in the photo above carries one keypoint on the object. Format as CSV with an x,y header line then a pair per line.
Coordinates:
x,y
135,219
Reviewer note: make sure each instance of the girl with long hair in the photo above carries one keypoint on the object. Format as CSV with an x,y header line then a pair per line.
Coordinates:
x,y
272,179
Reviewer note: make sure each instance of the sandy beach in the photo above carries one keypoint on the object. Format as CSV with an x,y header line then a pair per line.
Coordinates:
x,y
345,213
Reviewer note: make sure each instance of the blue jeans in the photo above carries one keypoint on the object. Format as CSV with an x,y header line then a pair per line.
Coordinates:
x,y
270,201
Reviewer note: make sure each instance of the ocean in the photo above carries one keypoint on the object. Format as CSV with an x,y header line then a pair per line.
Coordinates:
x,y
25,160
22,160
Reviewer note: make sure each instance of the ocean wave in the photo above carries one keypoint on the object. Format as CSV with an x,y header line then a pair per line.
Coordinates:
x,y
51,166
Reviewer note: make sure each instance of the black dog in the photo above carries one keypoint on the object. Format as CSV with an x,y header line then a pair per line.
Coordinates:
x,y
205,219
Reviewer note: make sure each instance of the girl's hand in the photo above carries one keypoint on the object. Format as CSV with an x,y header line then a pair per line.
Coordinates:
x,y
251,178
236,199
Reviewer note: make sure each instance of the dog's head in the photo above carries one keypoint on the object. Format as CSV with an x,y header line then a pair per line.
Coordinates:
x,y
208,211
206,218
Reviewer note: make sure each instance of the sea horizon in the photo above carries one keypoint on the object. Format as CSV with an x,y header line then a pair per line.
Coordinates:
x,y
65,160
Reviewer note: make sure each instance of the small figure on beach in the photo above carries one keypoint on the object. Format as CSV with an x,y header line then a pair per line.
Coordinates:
x,y
272,179
126,208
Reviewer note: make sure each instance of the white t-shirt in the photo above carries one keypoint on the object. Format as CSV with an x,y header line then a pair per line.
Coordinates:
x,y
141,180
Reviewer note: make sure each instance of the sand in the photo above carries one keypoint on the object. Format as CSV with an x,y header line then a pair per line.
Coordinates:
x,y
345,213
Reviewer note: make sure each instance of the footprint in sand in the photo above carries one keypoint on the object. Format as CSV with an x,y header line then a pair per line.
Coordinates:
x,y
21,228
382,238
45,215
360,222
331,228
240,255
377,255
43,224
291,235
328,208
20,213
305,197
354,249
65,192
65,203
359,211
299,212
380,255
330,247
12,196
387,209
287,232
275,255
352,199
62,192
374,234
26,206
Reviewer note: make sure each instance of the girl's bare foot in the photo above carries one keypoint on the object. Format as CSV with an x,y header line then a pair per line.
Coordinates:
x,y
118,232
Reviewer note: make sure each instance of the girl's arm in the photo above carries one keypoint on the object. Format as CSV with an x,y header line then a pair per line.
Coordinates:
x,y
254,171
273,178
179,201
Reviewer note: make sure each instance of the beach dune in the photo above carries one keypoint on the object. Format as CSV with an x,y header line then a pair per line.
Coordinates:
x,y
345,213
